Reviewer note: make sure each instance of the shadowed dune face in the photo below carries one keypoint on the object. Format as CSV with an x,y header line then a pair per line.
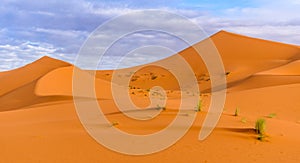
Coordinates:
x,y
24,75
37,113
17,86
25,96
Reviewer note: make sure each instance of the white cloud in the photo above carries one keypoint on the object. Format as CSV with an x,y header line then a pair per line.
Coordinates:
x,y
138,56
71,34
269,19
13,56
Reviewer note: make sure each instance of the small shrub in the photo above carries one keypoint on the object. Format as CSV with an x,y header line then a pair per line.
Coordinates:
x,y
237,112
114,123
260,126
161,108
199,106
244,120
261,137
272,115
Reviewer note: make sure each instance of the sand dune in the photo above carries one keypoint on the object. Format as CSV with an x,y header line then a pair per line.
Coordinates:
x,y
24,75
17,86
290,69
244,56
59,82
39,123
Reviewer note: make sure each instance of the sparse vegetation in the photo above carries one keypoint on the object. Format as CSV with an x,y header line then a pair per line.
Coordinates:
x,y
260,128
202,77
244,120
161,108
237,112
199,106
114,123
272,115
261,137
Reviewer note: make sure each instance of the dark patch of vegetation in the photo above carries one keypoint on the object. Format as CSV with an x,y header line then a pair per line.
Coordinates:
x,y
199,106
237,112
260,128
114,123
133,79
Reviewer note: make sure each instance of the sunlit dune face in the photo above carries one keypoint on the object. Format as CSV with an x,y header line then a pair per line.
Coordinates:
x,y
139,90
148,77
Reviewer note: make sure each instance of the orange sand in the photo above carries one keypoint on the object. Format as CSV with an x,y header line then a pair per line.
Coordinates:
x,y
38,121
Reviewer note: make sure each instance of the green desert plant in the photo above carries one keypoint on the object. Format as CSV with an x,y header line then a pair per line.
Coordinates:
x,y
199,106
260,128
237,112
244,120
272,115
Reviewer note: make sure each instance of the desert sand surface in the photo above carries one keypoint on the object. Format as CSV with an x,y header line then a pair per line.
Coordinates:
x,y
38,120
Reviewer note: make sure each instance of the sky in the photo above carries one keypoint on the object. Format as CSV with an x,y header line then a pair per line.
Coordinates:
x,y
33,28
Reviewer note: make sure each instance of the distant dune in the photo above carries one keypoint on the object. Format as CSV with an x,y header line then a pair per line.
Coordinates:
x,y
38,121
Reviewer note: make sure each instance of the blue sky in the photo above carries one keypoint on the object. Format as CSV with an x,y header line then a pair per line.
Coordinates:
x,y
33,28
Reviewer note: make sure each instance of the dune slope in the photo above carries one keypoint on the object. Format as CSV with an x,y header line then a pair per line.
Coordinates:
x,y
18,86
